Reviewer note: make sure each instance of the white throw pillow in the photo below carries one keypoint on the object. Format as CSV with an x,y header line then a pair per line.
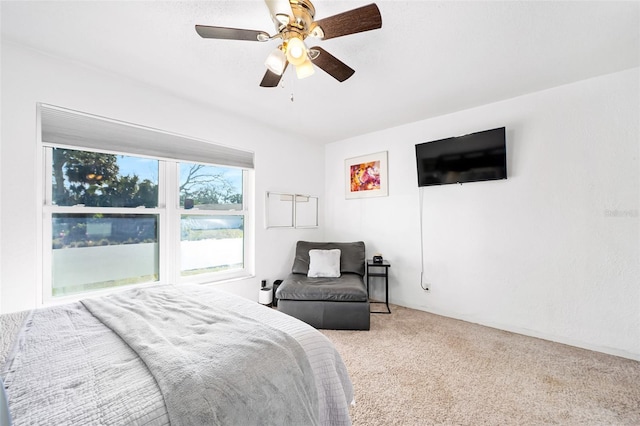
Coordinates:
x,y
324,263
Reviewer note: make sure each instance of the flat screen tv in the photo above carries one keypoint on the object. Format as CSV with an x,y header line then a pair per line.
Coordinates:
x,y
470,158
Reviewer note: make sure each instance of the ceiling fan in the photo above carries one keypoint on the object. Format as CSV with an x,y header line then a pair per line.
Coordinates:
x,y
294,22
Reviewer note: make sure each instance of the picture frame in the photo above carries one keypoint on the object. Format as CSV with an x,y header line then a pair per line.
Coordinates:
x,y
366,176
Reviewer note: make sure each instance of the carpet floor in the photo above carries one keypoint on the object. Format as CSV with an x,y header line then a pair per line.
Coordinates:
x,y
416,368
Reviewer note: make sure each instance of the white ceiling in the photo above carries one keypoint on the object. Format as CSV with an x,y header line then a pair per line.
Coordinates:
x,y
430,57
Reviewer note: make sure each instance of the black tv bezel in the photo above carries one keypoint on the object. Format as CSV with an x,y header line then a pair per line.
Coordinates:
x,y
448,148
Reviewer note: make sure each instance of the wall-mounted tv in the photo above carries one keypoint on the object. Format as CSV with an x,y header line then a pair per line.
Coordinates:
x,y
470,158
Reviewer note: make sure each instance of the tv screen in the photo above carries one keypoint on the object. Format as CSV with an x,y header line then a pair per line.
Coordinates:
x,y
470,158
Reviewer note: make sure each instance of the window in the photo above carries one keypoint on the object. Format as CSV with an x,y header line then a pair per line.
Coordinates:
x,y
96,251
117,219
204,190
104,220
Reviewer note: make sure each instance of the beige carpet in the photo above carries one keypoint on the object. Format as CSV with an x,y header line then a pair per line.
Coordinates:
x,y
416,368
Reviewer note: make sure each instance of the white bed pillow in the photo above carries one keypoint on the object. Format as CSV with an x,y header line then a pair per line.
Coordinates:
x,y
324,263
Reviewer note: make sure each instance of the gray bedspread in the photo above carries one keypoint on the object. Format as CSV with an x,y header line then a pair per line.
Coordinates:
x,y
213,367
66,367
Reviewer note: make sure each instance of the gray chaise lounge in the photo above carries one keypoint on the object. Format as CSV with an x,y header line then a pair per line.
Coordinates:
x,y
328,303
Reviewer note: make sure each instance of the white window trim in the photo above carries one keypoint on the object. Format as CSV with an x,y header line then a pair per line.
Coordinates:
x,y
168,210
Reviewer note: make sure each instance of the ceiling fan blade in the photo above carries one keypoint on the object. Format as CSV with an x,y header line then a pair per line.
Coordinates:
x,y
271,79
332,65
231,33
364,18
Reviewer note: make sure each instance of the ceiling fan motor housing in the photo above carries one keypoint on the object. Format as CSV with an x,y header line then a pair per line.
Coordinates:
x,y
296,31
302,19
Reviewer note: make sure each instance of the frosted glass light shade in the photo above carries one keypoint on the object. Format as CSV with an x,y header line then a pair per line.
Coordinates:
x,y
276,61
305,69
296,51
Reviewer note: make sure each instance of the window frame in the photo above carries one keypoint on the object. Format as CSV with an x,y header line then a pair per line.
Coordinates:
x,y
169,214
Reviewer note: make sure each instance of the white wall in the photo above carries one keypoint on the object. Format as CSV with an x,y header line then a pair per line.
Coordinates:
x,y
552,252
29,77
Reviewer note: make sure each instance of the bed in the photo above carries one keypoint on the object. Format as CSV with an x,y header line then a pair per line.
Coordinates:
x,y
170,355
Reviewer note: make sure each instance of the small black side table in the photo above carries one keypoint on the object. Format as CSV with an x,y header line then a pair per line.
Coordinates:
x,y
382,271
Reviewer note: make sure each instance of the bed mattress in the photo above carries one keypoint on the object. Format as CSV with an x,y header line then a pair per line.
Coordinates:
x,y
62,365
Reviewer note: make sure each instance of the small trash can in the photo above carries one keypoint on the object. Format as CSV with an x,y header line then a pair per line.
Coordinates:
x,y
266,295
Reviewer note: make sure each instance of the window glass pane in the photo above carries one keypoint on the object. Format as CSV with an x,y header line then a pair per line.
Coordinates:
x,y
103,180
210,187
94,251
211,243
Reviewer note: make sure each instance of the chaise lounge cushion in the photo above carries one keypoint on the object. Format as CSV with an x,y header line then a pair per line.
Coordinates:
x,y
348,288
351,258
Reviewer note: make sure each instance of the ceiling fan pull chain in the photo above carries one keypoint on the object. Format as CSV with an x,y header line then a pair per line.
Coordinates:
x,y
292,84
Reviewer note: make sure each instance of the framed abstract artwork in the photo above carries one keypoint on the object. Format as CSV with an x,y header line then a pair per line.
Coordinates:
x,y
367,176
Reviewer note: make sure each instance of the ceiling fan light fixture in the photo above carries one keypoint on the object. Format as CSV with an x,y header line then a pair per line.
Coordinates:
x,y
296,51
276,61
305,69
